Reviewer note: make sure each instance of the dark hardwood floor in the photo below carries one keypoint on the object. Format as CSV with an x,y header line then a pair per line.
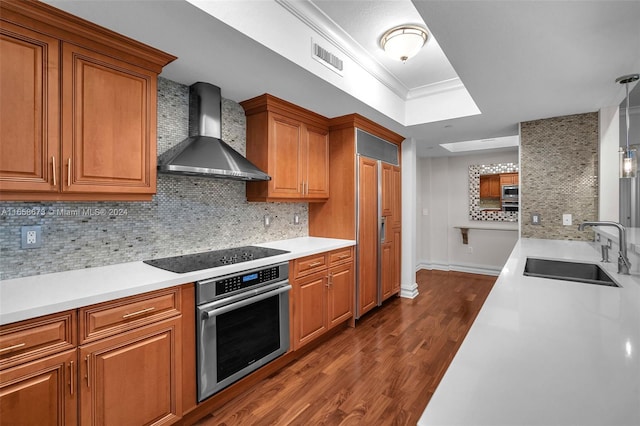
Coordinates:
x,y
383,372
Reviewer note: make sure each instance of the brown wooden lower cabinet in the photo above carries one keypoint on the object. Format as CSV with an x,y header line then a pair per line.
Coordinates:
x,y
133,378
340,294
132,375
323,299
41,392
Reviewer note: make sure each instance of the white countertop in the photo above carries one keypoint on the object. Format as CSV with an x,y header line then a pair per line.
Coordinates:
x,y
547,352
29,297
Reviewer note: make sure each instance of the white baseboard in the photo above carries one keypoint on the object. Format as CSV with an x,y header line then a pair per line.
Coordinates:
x,y
471,269
409,292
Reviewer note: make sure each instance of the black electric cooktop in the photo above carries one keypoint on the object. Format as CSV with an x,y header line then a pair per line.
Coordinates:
x,y
213,259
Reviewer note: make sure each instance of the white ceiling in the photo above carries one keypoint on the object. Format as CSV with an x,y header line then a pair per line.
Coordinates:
x,y
518,60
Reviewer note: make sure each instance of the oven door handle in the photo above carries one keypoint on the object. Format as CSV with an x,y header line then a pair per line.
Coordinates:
x,y
244,302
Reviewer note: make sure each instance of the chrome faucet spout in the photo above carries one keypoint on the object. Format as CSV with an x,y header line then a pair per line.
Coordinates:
x,y
623,260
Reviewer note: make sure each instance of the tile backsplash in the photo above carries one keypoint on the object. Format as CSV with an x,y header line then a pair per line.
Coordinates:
x,y
559,164
187,215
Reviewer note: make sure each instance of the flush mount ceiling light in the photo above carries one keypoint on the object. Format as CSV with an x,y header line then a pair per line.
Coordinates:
x,y
404,41
628,156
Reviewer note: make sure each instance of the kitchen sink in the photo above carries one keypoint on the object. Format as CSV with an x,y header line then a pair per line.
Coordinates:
x,y
589,273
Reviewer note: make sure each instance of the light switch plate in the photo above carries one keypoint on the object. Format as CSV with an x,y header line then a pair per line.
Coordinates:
x,y
31,236
566,219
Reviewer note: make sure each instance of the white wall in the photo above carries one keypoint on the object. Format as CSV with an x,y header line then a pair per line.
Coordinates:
x,y
608,195
442,203
409,286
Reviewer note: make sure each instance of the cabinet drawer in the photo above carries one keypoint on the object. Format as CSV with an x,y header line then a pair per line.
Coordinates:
x,y
340,256
309,265
109,318
27,340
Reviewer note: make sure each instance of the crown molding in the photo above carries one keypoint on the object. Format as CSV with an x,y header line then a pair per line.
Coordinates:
x,y
437,87
309,14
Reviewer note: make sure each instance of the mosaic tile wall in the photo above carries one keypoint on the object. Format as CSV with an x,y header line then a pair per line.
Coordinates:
x,y
187,215
475,212
559,164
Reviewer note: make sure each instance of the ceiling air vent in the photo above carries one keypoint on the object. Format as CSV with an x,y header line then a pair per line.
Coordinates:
x,y
326,58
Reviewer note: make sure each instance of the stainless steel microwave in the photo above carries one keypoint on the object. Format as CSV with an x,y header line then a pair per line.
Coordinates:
x,y
510,192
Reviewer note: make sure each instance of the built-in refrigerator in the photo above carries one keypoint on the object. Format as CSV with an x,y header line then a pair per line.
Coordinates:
x,y
378,186
364,205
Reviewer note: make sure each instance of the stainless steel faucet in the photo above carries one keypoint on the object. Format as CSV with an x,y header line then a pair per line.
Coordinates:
x,y
623,260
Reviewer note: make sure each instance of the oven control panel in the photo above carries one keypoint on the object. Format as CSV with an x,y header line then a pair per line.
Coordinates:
x,y
215,288
239,282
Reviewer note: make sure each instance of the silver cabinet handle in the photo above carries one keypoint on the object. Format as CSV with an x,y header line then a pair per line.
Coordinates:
x,y
10,348
88,371
53,169
69,172
141,312
71,379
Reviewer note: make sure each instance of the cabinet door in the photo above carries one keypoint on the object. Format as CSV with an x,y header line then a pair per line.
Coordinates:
x,y
340,297
29,128
387,189
284,157
387,269
310,310
108,124
494,186
367,291
397,259
133,378
317,163
41,392
396,198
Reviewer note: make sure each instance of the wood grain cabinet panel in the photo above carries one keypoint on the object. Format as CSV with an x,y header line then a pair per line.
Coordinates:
x,y
368,236
322,299
285,151
316,174
108,139
29,129
109,318
387,190
78,108
340,294
133,378
396,197
310,309
309,265
340,256
28,340
291,145
42,392
387,269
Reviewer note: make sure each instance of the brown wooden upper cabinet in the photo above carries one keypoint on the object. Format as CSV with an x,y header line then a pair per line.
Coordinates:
x,y
78,108
490,186
508,179
291,145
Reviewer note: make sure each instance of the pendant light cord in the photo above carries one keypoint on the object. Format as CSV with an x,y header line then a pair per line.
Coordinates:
x,y
626,85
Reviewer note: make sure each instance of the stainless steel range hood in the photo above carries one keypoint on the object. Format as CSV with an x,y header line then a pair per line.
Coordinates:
x,y
203,153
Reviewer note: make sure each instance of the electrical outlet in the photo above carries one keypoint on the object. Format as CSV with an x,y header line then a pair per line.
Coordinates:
x,y
469,249
296,219
267,220
535,218
31,237
566,219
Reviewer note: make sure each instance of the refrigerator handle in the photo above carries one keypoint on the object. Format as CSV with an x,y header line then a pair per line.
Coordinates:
x,y
382,229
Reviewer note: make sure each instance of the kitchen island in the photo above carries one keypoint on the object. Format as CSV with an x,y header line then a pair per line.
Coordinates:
x,y
30,297
545,351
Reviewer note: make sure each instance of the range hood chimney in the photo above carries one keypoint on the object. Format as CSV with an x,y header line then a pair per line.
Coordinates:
x,y
204,153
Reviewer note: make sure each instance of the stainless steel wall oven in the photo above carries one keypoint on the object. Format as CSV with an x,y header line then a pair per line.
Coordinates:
x,y
242,324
